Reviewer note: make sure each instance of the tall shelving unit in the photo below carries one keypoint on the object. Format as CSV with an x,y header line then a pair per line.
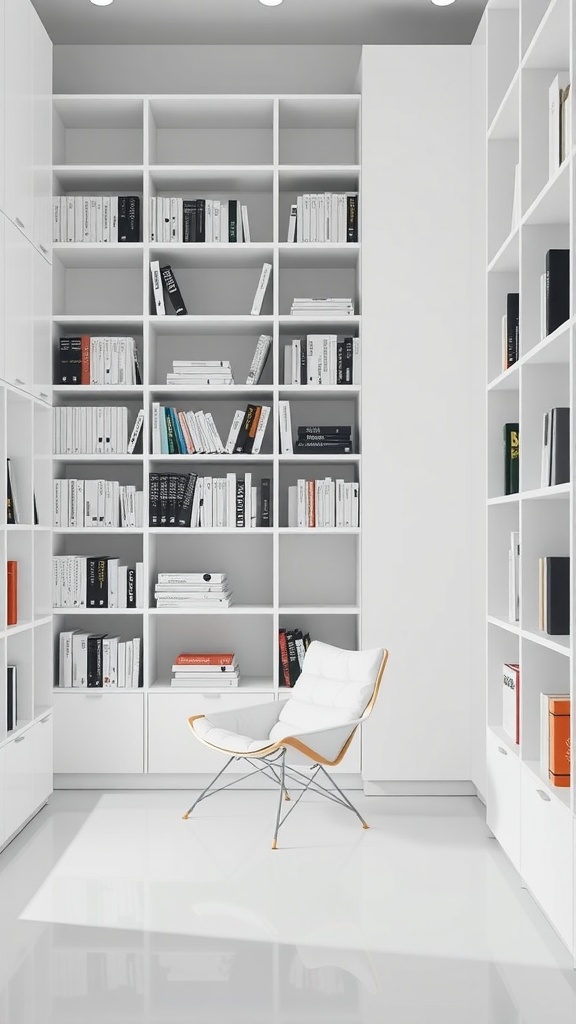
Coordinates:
x,y
263,150
528,43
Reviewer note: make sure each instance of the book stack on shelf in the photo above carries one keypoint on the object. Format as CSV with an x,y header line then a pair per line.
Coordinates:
x,y
555,291
511,330
174,219
554,595
96,219
97,503
11,697
556,447
94,430
292,646
205,670
324,217
189,500
98,361
192,590
559,121
195,433
555,710
322,308
323,503
99,582
329,439
98,661
187,373
322,359
511,458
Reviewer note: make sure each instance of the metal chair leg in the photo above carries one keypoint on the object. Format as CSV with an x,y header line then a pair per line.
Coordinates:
x,y
282,791
205,791
345,798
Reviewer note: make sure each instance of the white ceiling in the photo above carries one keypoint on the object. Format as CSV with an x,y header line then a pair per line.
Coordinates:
x,y
247,21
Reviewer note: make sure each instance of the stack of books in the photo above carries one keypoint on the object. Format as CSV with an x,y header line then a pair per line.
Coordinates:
x,y
333,439
192,590
324,217
195,433
80,581
292,646
189,500
96,503
173,219
93,360
95,430
96,660
200,372
322,359
322,308
205,670
96,219
324,503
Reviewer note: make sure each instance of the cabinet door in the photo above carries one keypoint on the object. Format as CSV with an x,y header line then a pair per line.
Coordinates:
x,y
41,327
98,733
546,853
503,796
2,281
18,149
19,783
18,308
42,135
43,758
2,102
3,833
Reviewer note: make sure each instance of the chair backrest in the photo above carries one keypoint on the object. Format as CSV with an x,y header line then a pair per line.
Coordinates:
x,y
336,687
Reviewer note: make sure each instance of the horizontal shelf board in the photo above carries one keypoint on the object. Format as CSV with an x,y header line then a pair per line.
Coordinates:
x,y
93,324
94,179
100,111
247,684
198,609
324,254
110,531
208,390
509,627
560,793
212,111
308,531
99,458
503,499
555,348
552,205
317,325
225,458
234,324
505,739
319,391
550,44
19,527
89,390
506,121
98,691
233,531
319,178
118,255
20,627
98,611
43,620
507,257
560,644
212,254
182,178
320,458
558,491
320,609
508,380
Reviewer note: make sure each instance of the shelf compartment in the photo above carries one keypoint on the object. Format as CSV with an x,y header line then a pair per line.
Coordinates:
x,y
88,281
19,548
319,130
544,387
546,34
254,192
211,130
236,343
338,410
98,130
543,671
552,204
237,557
20,652
535,160
500,285
43,664
316,467
502,160
19,449
85,180
315,274
318,570
502,521
217,280
506,121
545,532
537,240
503,407
223,410
340,630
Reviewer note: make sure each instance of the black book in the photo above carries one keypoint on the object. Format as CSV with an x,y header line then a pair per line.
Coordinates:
x,y
232,220
163,499
200,220
511,458
184,516
10,509
317,447
154,499
340,347
172,500
137,373
348,361
171,289
128,219
11,702
240,502
189,220
131,587
351,218
557,288
337,438
35,510
557,595
337,431
94,660
293,661
512,328
244,431
172,442
70,361
265,502
303,363
560,446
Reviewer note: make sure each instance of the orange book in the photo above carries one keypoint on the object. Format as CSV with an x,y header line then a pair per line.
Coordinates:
x,y
559,722
85,366
204,659
11,593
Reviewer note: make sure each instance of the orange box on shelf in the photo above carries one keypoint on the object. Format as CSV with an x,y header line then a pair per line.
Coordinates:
x,y
559,723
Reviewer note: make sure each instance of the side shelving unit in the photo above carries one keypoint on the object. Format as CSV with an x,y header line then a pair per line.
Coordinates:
x,y
262,151
529,44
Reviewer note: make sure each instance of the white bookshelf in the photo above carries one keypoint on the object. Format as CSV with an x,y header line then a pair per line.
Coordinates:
x,y
262,150
528,43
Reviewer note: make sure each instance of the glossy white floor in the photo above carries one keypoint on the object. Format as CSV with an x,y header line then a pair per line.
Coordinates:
x,y
113,910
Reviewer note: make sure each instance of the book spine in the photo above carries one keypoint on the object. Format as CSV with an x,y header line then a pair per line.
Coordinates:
x,y
284,662
351,218
11,593
157,291
171,287
261,289
244,431
511,458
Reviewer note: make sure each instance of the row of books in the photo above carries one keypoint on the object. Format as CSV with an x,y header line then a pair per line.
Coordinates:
x,y
292,646
189,500
98,361
174,219
97,503
95,430
559,121
554,595
188,373
96,219
98,661
205,670
322,359
324,503
555,712
195,433
11,697
324,217
192,590
100,581
321,307
165,290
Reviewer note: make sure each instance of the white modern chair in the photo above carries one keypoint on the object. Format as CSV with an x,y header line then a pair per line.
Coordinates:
x,y
314,728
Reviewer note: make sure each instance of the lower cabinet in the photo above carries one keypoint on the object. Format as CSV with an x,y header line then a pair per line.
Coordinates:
x,y
43,759
503,796
171,745
99,733
3,833
546,854
18,780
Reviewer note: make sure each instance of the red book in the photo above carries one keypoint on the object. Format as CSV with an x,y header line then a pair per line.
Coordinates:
x,y
284,661
85,368
204,659
11,593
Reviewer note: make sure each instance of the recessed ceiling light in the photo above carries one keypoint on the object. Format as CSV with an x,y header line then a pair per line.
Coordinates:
x,y
101,3
271,3
443,3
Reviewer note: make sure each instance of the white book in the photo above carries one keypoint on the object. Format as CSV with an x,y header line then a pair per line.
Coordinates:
x,y
339,503
254,507
261,429
259,359
106,218
224,218
513,577
218,446
85,218
320,218
156,442
305,217
136,432
247,501
165,219
113,218
296,349
157,288
261,289
230,500
152,231
301,502
70,222
285,427
80,659
140,584
137,648
314,354
78,215
313,217
355,521
299,217
356,371
565,122
209,234
546,462
557,87
543,293
122,664
216,220
288,362
292,505
174,220
511,702
93,219
245,223
99,219
56,219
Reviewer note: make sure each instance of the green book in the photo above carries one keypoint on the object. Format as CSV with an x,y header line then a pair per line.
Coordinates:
x,y
511,458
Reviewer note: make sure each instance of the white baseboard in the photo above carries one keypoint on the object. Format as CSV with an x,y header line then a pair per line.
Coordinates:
x,y
423,788
184,782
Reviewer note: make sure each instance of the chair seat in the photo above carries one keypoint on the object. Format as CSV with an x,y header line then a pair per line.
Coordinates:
x,y
225,739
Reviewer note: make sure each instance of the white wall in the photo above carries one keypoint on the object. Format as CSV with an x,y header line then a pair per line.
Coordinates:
x,y
419,427
205,69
